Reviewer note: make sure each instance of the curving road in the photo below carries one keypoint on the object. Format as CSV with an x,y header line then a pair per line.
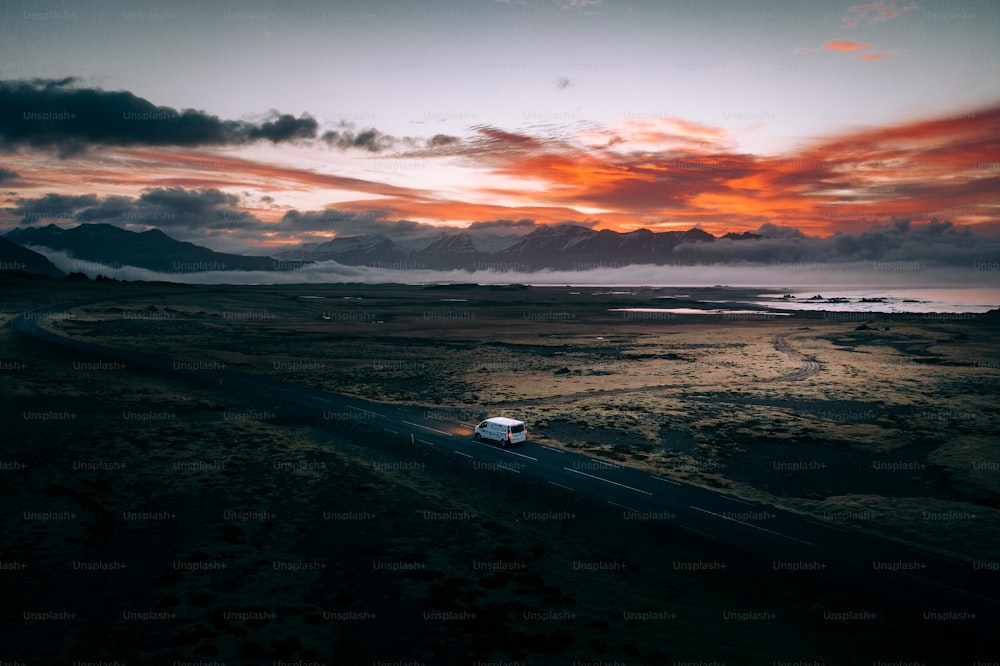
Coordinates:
x,y
905,577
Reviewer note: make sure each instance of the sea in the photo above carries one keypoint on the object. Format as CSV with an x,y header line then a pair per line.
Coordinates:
x,y
915,300
735,300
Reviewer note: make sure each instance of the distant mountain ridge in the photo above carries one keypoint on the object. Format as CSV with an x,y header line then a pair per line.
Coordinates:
x,y
14,257
559,247
364,250
98,247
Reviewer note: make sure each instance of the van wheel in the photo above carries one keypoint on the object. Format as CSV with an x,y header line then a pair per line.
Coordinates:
x,y
505,443
477,437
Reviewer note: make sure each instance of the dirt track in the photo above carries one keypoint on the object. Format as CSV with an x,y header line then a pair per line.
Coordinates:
x,y
810,366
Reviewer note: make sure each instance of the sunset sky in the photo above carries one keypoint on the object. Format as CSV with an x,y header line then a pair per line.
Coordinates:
x,y
246,126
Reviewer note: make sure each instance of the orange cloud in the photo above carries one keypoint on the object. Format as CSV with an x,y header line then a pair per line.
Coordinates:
x,y
944,168
643,133
875,13
659,174
845,46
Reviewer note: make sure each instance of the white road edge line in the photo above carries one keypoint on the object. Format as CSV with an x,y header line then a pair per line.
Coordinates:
x,y
762,529
440,432
576,471
561,486
660,478
733,499
627,508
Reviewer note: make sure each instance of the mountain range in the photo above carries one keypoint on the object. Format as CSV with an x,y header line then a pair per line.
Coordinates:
x,y
105,247
15,258
97,248
558,247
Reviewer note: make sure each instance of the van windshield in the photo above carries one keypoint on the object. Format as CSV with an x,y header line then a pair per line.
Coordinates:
x,y
517,428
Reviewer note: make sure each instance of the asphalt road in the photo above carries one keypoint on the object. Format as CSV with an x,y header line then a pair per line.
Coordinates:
x,y
902,576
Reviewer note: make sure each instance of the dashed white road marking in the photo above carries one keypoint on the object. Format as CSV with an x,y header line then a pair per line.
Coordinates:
x,y
441,432
503,450
561,486
552,448
461,454
660,478
614,483
515,453
366,411
627,508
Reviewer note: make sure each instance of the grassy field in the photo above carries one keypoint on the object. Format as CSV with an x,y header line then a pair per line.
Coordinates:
x,y
809,412
284,539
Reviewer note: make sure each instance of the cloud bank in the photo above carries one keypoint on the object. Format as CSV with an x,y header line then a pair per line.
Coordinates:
x,y
785,276
660,173
210,214
57,113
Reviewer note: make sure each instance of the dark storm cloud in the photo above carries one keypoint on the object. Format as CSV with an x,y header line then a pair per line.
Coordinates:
x,y
371,140
7,174
350,223
489,235
185,201
439,140
214,218
504,225
110,208
374,141
173,208
51,206
55,113
194,211
330,220
774,231
208,211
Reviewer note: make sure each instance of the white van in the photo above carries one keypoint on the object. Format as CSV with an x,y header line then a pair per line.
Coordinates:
x,y
503,430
